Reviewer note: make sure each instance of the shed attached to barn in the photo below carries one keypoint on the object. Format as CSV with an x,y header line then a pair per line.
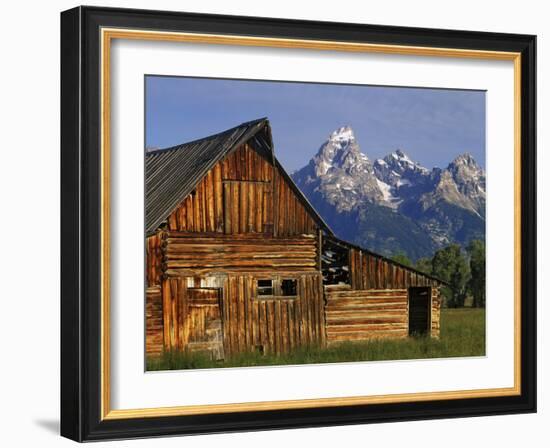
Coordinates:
x,y
238,260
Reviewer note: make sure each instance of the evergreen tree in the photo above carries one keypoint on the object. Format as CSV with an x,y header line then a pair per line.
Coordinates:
x,y
401,257
476,285
449,264
424,265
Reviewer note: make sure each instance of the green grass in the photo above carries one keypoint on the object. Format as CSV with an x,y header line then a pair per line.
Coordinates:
x,y
462,334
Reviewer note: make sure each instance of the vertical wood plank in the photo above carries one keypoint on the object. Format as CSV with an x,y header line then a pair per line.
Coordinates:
x,y
166,313
291,326
234,207
174,316
256,337
262,325
321,299
274,183
278,327
270,319
218,197
250,312
243,206
260,208
243,309
211,226
232,312
286,325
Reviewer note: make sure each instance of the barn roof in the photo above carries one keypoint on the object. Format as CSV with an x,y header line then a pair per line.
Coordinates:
x,y
172,173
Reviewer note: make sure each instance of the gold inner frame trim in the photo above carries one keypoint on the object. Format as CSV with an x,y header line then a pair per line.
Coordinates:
x,y
107,35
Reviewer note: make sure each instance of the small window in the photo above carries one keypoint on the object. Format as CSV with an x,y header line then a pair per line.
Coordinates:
x,y
288,287
265,287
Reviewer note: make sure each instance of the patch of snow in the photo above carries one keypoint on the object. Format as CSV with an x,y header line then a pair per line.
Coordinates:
x,y
385,189
323,167
344,133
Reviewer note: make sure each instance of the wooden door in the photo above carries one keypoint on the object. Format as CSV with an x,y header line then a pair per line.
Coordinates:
x,y
419,310
203,325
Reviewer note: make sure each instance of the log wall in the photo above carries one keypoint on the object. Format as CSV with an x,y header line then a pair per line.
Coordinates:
x,y
355,315
154,336
191,254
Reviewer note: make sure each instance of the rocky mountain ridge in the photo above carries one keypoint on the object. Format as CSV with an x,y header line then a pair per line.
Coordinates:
x,y
394,204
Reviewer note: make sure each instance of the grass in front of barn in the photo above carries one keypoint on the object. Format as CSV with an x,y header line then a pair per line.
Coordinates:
x,y
462,334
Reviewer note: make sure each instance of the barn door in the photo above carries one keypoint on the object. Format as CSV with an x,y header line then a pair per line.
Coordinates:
x,y
203,325
419,310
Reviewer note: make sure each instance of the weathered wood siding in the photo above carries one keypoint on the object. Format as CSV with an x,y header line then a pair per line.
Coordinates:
x,y
153,267
192,318
290,215
246,164
368,271
154,338
241,318
243,194
235,196
192,254
272,324
354,315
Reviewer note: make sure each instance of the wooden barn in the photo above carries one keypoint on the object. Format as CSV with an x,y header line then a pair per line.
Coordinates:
x,y
238,259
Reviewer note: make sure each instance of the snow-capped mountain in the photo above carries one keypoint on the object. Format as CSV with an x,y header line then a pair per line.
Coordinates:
x,y
341,173
394,204
397,170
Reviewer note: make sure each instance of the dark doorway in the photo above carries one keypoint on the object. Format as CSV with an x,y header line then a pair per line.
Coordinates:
x,y
419,310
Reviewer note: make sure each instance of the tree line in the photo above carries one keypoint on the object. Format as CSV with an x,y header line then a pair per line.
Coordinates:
x,y
462,269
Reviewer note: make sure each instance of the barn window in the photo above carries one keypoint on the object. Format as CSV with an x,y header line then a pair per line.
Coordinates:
x,y
335,263
288,287
265,287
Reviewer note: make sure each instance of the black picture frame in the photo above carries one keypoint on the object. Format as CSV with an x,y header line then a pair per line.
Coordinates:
x,y
81,224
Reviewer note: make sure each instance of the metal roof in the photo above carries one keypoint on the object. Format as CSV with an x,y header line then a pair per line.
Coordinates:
x,y
172,173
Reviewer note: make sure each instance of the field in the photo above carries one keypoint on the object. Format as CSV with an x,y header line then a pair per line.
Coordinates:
x,y
462,334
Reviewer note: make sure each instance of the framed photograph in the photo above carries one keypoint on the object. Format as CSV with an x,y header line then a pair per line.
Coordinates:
x,y
273,223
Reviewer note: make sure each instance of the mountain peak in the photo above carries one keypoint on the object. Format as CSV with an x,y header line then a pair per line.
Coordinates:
x,y
340,172
340,151
465,159
398,169
344,133
399,153
400,157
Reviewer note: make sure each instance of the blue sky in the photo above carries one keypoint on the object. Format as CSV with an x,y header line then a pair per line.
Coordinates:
x,y
433,126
